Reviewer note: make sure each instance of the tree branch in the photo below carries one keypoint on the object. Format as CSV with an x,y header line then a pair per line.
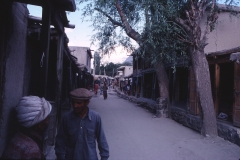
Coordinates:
x,y
109,18
203,3
128,29
147,18
211,19
181,22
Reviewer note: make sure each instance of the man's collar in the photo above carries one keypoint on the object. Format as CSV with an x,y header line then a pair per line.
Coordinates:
x,y
89,115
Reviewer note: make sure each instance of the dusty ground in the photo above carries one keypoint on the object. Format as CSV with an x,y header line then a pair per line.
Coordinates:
x,y
133,134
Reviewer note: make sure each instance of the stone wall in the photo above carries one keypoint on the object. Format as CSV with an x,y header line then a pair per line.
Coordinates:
x,y
226,131
180,116
13,42
159,107
143,102
229,132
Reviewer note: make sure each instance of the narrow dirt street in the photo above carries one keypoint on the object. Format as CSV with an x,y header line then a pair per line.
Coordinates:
x,y
133,134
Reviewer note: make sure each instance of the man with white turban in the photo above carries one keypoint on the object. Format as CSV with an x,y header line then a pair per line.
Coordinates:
x,y
33,116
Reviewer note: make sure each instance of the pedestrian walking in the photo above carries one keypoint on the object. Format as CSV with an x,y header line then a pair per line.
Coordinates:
x,y
105,88
101,88
128,90
79,130
125,89
33,116
96,88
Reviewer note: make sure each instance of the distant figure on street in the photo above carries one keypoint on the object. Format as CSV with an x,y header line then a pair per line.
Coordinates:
x,y
33,116
125,89
105,88
79,130
128,90
113,84
101,88
96,88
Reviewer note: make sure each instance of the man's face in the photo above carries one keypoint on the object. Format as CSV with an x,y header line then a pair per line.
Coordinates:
x,y
43,125
80,106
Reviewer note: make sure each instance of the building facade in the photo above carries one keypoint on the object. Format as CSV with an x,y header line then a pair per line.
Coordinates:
x,y
34,60
84,56
221,53
83,59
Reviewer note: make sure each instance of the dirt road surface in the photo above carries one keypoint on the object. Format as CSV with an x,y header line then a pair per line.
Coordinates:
x,y
133,134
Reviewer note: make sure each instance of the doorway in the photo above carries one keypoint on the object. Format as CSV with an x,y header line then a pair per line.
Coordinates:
x,y
226,88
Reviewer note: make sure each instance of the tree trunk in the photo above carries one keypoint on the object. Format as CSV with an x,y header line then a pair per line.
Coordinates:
x,y
203,84
163,83
163,108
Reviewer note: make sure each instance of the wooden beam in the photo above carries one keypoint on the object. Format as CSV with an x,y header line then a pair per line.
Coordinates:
x,y
57,22
219,60
45,40
223,52
59,69
39,20
59,17
72,26
32,2
216,87
66,5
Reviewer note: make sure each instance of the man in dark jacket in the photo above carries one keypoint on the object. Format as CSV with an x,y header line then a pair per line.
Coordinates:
x,y
105,88
79,131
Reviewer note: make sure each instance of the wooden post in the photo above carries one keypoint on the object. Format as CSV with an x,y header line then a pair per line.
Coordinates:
x,y
193,96
56,113
174,88
59,72
136,93
45,40
59,69
141,88
154,86
71,76
236,106
217,83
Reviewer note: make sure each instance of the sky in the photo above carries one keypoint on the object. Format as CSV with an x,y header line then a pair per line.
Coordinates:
x,y
81,34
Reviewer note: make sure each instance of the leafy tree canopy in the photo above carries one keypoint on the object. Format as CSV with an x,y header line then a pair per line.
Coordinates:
x,y
111,68
151,21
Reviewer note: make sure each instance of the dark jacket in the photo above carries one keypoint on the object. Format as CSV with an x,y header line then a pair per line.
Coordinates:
x,y
76,138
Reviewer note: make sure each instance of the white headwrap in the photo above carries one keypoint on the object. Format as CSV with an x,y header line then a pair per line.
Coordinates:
x,y
32,110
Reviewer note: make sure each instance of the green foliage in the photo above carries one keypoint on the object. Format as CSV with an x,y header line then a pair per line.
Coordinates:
x,y
163,38
160,36
126,64
111,68
107,35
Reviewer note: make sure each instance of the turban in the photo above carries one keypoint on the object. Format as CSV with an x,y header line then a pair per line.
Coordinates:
x,y
32,110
